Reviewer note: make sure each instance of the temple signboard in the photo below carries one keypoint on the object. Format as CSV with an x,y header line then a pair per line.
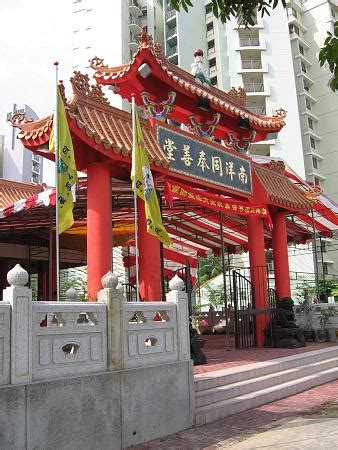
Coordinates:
x,y
196,159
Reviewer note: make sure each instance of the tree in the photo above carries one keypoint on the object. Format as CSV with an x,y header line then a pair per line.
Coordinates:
x,y
209,268
329,54
225,9
246,11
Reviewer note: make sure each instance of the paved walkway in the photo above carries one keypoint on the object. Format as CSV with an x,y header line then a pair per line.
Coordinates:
x,y
281,422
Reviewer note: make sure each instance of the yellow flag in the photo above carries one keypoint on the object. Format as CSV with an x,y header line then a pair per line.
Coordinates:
x,y
67,174
141,175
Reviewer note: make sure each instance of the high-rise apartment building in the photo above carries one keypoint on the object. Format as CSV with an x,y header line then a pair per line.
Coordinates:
x,y
110,30
276,61
19,164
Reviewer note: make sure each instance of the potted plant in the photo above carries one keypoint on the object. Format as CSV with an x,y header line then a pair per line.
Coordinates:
x,y
324,318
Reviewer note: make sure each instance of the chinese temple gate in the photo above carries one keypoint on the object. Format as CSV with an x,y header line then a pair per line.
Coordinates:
x,y
200,178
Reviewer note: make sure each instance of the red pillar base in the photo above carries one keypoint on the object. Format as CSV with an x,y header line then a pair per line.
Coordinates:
x,y
149,260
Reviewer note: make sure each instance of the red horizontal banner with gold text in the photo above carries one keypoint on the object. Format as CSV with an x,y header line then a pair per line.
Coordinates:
x,y
228,206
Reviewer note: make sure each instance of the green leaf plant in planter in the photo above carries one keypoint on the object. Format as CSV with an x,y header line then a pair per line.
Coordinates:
x,y
324,319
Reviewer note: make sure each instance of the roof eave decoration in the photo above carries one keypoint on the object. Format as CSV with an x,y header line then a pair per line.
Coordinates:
x,y
231,103
280,190
89,115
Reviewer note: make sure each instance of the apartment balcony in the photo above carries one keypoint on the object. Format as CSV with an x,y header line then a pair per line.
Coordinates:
x,y
209,17
315,173
170,18
294,20
211,52
258,24
302,58
172,54
312,152
210,33
295,36
212,71
304,75
172,36
312,134
135,26
252,65
310,114
135,9
307,94
248,43
256,89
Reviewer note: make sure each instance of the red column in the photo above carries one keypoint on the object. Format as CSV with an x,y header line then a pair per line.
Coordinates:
x,y
99,226
149,259
280,255
258,273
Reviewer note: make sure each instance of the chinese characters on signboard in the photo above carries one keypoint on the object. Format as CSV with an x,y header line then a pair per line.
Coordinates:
x,y
197,159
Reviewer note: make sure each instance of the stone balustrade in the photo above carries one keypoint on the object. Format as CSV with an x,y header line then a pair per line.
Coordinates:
x,y
47,340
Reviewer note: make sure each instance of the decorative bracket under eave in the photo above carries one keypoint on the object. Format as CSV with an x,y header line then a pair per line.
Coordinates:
x,y
240,144
159,111
205,129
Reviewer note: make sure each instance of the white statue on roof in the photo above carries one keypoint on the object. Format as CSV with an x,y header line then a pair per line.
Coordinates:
x,y
198,70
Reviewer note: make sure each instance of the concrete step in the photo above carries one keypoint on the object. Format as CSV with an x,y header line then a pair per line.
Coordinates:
x,y
250,371
215,411
225,392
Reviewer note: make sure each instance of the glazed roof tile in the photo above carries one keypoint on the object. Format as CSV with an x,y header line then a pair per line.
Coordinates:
x,y
233,102
12,191
92,112
280,189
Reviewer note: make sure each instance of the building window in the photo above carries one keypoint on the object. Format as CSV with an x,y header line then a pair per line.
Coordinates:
x,y
303,67
312,143
315,163
333,13
310,123
308,104
208,8
301,49
316,181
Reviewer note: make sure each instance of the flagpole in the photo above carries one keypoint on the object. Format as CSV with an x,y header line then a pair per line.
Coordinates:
x,y
135,199
56,135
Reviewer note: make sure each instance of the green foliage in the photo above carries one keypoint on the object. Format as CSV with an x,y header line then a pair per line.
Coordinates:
x,y
329,54
325,315
209,268
80,284
225,9
216,296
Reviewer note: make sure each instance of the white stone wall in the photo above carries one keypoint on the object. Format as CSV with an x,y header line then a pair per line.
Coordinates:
x,y
5,317
47,340
68,339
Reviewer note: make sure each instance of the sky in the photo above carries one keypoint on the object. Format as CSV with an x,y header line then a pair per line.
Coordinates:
x,y
33,35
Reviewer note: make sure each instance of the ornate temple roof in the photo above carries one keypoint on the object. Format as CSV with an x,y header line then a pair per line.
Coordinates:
x,y
91,112
231,104
13,191
280,189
